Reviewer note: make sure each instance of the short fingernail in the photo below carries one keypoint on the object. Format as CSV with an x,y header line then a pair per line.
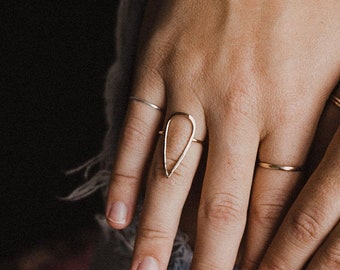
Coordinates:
x,y
148,263
118,212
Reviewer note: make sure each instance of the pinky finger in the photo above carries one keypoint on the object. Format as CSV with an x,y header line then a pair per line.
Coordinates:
x,y
328,124
328,255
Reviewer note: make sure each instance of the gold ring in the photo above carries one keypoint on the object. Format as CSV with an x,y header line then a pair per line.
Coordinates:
x,y
168,172
162,132
335,100
146,103
286,168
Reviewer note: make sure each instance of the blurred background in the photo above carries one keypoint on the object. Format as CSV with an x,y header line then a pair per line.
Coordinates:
x,y
55,55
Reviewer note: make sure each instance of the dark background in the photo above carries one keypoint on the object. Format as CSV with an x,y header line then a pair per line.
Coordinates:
x,y
55,55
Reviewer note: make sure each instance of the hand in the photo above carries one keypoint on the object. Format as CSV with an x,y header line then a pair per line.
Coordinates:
x,y
255,76
309,237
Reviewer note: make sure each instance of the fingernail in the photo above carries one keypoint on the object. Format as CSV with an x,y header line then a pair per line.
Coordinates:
x,y
118,212
148,263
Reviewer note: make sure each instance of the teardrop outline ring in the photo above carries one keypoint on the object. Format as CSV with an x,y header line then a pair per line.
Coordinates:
x,y
165,133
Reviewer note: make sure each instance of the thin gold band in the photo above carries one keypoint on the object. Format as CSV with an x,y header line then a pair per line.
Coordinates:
x,y
146,103
335,100
286,168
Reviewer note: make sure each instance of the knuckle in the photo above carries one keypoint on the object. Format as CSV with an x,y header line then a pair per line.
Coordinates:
x,y
208,266
306,226
150,233
275,262
266,215
275,265
266,212
250,264
223,209
159,47
119,177
242,101
178,175
182,169
149,70
135,132
150,58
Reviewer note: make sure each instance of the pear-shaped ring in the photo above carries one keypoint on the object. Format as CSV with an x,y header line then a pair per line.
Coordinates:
x,y
191,139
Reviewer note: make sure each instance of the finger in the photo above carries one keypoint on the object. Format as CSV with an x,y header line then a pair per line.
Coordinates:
x,y
188,222
328,255
225,195
329,121
165,196
273,191
314,213
136,145
272,194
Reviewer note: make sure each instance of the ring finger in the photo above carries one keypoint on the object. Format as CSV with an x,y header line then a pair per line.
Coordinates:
x,y
275,187
313,215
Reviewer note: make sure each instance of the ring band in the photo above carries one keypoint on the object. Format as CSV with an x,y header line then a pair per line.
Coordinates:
x,y
286,168
146,103
335,100
162,132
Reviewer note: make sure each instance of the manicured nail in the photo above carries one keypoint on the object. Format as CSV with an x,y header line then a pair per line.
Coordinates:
x,y
148,263
118,213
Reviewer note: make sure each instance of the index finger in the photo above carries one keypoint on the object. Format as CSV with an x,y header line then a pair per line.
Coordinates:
x,y
137,143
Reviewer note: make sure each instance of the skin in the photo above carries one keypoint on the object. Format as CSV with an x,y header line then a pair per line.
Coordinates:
x,y
327,127
256,76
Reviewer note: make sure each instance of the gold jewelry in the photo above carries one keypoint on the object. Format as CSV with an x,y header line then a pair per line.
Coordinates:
x,y
191,139
146,103
286,168
335,100
162,132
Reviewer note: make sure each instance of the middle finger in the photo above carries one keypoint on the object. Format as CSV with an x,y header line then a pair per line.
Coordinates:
x,y
225,193
166,190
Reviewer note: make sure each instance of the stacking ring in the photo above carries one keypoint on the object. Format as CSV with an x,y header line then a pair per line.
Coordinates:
x,y
168,172
146,103
335,100
286,168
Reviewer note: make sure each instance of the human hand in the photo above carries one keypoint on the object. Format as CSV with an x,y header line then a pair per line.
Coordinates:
x,y
255,76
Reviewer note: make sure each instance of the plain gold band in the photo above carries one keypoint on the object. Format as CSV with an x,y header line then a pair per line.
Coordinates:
x,y
286,168
161,132
146,103
335,100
